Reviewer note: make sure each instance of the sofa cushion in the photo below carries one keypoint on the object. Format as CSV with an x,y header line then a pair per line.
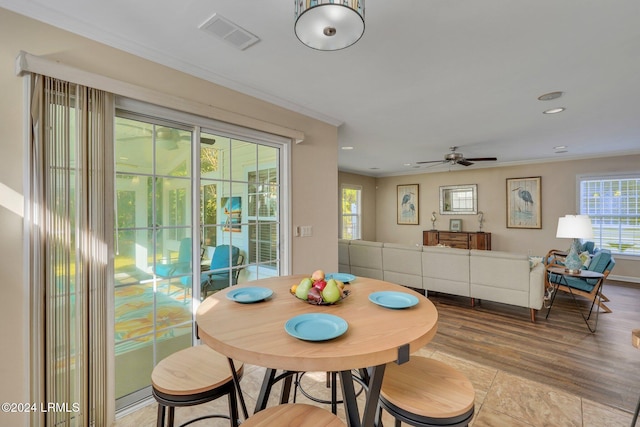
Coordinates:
x,y
446,270
365,258
600,261
402,264
587,246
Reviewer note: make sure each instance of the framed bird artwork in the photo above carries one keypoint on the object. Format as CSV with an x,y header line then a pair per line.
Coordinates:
x,y
523,203
407,204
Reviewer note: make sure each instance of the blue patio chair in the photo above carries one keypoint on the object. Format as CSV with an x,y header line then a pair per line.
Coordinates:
x,y
179,267
182,265
220,273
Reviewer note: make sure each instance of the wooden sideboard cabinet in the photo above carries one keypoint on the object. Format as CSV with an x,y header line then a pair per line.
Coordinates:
x,y
457,239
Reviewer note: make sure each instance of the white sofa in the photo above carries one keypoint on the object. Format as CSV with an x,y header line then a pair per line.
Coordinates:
x,y
502,277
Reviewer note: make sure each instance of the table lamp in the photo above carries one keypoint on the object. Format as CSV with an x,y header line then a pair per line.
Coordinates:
x,y
574,227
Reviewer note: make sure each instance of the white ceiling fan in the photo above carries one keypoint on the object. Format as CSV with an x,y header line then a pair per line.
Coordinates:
x,y
458,158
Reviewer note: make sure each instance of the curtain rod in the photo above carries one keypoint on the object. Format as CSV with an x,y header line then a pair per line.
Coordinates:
x,y
28,63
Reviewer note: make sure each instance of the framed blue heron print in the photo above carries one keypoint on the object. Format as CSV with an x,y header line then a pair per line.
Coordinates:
x,y
523,203
407,204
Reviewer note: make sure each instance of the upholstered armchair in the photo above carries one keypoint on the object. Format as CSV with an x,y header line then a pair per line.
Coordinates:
x,y
602,262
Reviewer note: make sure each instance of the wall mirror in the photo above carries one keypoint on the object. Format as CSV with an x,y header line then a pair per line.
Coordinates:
x,y
459,199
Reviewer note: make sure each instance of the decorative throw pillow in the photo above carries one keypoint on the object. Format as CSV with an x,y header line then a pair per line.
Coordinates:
x,y
534,260
585,258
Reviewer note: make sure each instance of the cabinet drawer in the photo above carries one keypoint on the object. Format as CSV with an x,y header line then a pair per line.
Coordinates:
x,y
457,245
454,237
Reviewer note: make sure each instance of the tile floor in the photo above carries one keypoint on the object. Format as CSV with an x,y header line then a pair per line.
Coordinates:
x,y
502,400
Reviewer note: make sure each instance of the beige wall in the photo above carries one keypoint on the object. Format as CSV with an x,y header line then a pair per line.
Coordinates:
x,y
558,186
368,185
309,185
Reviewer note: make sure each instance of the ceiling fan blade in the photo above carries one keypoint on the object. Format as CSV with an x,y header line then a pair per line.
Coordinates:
x,y
431,161
482,159
464,162
433,165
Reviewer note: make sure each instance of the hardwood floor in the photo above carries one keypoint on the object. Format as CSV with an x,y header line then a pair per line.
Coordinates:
x,y
558,351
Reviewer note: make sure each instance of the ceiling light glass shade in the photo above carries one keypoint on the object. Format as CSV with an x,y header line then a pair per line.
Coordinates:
x,y
574,227
329,24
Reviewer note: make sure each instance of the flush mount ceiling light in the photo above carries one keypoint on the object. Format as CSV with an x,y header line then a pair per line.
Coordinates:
x,y
554,110
329,24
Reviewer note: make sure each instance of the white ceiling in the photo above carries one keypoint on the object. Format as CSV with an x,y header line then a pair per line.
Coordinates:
x,y
425,76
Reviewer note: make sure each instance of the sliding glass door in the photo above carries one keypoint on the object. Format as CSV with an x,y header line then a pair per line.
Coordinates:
x,y
198,208
153,316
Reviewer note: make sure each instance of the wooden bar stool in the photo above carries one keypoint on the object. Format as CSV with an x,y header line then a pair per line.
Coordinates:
x,y
426,393
293,415
191,377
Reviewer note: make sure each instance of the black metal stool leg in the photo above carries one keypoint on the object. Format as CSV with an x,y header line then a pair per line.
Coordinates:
x,y
160,422
236,383
234,415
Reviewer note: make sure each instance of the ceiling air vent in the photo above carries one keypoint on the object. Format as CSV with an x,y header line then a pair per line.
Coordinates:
x,y
229,32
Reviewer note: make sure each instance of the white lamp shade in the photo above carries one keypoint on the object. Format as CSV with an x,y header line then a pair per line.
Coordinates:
x,y
329,24
574,227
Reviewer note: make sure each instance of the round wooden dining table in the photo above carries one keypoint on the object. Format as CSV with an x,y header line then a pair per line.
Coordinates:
x,y
255,333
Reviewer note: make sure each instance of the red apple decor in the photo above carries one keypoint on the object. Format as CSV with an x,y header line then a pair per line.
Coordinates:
x,y
320,284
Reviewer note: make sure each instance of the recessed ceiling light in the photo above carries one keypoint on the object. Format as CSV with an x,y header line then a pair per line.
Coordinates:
x,y
407,164
347,148
554,110
560,147
549,96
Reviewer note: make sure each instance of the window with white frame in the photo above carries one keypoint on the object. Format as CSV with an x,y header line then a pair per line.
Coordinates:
x,y
351,212
613,204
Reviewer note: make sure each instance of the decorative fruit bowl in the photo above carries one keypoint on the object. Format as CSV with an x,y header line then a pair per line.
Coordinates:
x,y
318,291
345,293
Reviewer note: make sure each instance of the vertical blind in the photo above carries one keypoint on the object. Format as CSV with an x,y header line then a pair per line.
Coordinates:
x,y
70,233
